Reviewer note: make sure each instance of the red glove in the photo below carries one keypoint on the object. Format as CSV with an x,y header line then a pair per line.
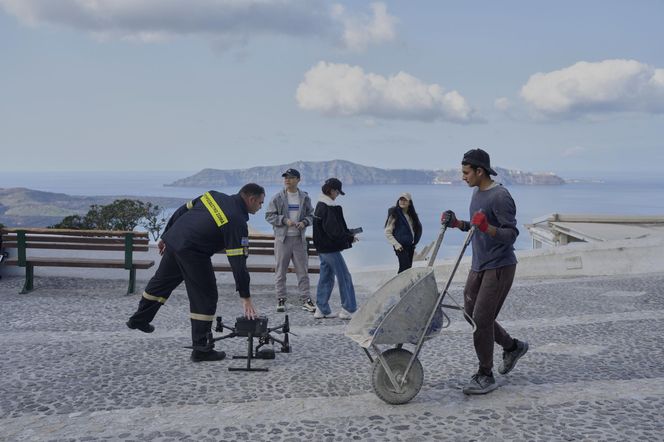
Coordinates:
x,y
449,218
479,220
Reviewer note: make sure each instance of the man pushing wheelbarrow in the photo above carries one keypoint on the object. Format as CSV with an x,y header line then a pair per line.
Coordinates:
x,y
492,271
408,308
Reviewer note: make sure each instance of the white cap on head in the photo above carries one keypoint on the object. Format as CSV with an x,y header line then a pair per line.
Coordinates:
x,y
407,196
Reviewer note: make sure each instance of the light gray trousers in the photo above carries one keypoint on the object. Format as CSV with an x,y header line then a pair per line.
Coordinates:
x,y
293,248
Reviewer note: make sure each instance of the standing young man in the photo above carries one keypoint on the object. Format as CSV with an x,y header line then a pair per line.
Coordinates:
x,y
197,230
493,213
290,213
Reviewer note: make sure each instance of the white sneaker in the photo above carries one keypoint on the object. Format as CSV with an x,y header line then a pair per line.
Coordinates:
x,y
319,315
345,314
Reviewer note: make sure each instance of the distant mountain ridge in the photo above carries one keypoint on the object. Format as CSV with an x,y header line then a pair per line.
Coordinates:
x,y
315,172
35,208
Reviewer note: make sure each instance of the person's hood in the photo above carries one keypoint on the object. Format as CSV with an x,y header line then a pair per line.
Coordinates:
x,y
326,200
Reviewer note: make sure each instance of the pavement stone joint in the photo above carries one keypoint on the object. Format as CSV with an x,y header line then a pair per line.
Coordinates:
x,y
71,370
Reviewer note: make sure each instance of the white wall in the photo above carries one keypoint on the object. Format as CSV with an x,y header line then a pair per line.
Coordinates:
x,y
623,257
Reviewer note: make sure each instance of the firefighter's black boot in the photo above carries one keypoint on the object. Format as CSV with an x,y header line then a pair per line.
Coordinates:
x,y
212,355
147,309
203,345
145,328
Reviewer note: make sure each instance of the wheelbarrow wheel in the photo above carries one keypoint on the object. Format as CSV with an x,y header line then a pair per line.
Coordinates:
x,y
397,360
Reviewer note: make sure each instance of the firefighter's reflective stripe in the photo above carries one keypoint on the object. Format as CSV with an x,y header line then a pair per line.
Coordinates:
x,y
217,214
190,204
153,298
200,317
235,252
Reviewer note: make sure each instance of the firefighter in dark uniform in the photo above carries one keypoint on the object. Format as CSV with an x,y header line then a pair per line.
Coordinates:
x,y
196,231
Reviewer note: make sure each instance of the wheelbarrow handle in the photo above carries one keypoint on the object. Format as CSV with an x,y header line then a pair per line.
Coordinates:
x,y
436,247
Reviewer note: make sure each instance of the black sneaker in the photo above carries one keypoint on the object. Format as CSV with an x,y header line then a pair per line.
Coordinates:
x,y
281,305
480,384
309,306
202,356
510,357
145,328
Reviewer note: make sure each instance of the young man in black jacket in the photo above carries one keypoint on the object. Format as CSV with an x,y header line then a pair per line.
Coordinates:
x,y
331,236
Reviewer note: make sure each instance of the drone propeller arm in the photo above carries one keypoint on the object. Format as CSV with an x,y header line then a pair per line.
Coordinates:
x,y
230,335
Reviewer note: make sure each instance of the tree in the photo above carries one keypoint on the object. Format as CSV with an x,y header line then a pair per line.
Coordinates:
x,y
70,222
154,220
124,214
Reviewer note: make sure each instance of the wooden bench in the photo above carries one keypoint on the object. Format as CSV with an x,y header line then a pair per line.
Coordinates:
x,y
263,244
23,239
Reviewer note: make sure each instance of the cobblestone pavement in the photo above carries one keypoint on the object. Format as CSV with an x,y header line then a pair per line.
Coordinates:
x,y
71,370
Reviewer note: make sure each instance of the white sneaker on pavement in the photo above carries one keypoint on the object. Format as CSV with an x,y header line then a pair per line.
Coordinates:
x,y
319,315
345,314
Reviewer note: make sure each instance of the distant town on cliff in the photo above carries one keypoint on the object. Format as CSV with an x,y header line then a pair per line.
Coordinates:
x,y
315,172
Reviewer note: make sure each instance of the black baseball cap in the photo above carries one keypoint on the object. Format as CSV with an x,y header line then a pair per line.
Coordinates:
x,y
291,172
479,158
335,184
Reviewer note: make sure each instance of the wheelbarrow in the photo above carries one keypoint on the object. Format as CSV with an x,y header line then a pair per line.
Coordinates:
x,y
407,309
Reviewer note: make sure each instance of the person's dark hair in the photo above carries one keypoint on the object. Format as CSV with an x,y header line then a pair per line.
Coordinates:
x,y
326,189
252,189
417,225
474,167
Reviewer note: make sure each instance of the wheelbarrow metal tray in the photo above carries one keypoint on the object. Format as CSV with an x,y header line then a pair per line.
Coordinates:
x,y
398,311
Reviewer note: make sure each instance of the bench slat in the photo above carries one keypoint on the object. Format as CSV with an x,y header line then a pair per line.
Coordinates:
x,y
75,232
267,268
82,262
269,252
68,246
11,239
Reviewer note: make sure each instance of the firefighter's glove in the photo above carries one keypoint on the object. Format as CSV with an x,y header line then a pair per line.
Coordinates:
x,y
479,220
449,219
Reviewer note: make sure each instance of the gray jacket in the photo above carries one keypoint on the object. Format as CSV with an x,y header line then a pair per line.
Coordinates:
x,y
277,213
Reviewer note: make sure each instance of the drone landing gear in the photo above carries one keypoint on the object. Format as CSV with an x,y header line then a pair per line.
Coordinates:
x,y
251,329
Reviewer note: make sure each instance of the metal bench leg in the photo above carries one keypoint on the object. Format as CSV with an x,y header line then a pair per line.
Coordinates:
x,y
29,276
132,281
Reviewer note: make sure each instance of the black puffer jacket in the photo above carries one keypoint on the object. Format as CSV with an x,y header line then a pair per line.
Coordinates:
x,y
330,231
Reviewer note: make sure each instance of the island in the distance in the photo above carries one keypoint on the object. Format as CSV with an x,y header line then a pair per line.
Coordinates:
x,y
315,172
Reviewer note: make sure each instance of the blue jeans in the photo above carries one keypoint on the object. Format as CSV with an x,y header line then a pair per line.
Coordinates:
x,y
331,265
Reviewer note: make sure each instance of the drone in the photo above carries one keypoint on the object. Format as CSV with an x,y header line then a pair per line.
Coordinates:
x,y
255,329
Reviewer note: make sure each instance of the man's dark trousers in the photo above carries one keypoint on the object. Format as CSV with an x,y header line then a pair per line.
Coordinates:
x,y
195,269
484,295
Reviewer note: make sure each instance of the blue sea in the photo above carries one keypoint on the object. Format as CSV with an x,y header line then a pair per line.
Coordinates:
x,y
366,206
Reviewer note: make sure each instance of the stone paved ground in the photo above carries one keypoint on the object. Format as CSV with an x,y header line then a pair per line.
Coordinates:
x,y
71,370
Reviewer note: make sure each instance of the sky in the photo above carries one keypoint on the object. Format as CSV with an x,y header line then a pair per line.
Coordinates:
x,y
570,87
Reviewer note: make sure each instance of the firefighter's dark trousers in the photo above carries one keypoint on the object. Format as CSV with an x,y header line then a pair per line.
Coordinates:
x,y
195,269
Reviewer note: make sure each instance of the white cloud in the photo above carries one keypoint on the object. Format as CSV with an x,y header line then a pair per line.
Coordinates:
x,y
361,31
225,21
344,90
502,104
594,88
573,151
